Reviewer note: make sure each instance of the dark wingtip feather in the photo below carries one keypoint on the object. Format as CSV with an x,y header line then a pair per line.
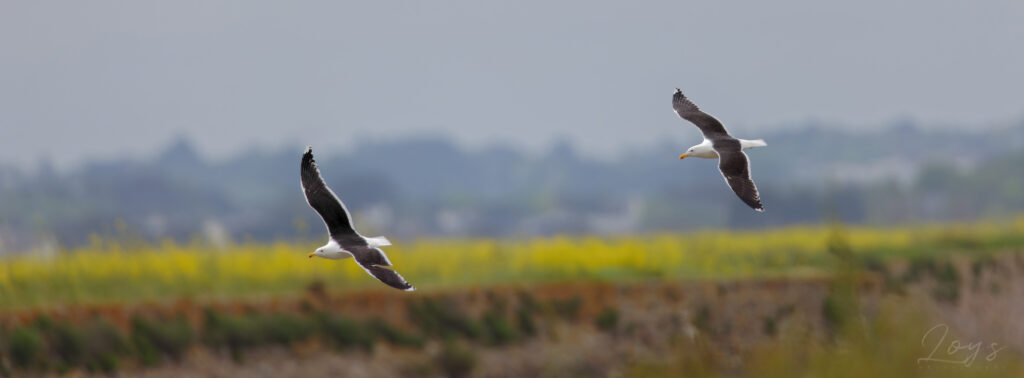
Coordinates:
x,y
308,171
307,156
679,99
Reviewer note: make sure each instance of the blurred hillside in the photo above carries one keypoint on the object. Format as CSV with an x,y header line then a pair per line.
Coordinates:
x,y
429,186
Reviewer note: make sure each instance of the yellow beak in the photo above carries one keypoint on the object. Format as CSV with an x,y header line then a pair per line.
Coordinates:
x,y
311,255
683,156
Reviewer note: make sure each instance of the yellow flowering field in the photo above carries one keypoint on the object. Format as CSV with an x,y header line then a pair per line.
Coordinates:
x,y
109,271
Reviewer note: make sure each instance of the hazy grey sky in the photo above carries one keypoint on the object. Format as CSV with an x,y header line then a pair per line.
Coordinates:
x,y
107,78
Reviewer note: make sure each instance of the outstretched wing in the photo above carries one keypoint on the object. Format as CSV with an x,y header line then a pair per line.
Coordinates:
x,y
735,168
323,200
375,263
708,125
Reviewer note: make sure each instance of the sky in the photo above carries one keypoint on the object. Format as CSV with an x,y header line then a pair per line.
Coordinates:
x,y
121,79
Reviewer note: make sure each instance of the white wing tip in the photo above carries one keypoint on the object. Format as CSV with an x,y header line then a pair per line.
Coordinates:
x,y
379,241
309,149
411,288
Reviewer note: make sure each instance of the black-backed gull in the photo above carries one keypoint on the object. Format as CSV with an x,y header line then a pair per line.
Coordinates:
x,y
732,161
344,241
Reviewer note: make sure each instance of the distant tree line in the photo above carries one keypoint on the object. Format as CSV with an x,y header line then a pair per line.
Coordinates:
x,y
430,186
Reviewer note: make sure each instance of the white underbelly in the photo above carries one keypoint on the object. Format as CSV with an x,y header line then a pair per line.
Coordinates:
x,y
337,255
710,154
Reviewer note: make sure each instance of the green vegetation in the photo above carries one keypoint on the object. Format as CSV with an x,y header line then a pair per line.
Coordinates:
x,y
453,332
886,344
438,319
456,360
47,344
608,319
569,308
60,345
161,338
345,333
25,345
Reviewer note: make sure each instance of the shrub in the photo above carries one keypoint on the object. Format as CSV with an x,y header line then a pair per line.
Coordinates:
x,y
284,328
103,344
104,362
919,267
456,360
437,319
394,335
769,325
345,333
836,311
168,337
569,308
528,303
497,328
890,282
68,345
702,320
25,345
145,351
947,279
947,283
524,319
43,323
607,319
229,331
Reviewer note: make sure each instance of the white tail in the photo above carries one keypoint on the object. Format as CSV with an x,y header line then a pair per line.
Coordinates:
x,y
379,241
745,144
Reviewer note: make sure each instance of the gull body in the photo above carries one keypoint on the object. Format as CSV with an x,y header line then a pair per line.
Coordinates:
x,y
704,150
333,251
344,241
718,144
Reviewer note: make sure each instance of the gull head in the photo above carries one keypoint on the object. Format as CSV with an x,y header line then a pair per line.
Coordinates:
x,y
317,252
703,151
690,151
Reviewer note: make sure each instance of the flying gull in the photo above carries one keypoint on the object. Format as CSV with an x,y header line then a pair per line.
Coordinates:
x,y
732,161
344,241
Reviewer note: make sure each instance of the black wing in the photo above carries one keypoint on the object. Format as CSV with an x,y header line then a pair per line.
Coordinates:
x,y
375,262
735,168
708,125
323,200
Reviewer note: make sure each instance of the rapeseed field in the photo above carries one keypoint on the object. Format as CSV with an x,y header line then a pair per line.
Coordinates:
x,y
109,271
